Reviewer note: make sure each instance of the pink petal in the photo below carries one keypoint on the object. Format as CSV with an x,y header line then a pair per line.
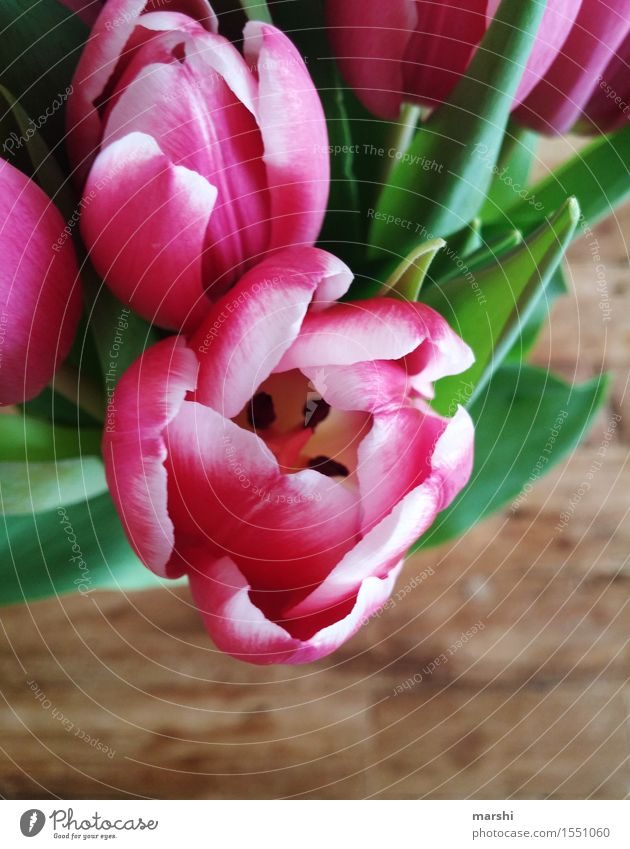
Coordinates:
x,y
375,555
556,103
439,51
227,494
144,222
369,386
388,535
369,39
406,447
40,291
240,628
111,45
246,333
148,396
558,18
609,105
293,127
379,329
198,107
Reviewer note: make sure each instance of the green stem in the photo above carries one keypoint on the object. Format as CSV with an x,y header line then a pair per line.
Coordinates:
x,y
400,138
79,389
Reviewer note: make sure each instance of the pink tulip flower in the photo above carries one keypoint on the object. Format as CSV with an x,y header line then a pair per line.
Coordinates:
x,y
40,295
415,51
588,83
284,456
208,159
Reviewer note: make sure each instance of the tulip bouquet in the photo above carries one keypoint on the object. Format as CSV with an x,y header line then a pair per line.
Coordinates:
x,y
271,276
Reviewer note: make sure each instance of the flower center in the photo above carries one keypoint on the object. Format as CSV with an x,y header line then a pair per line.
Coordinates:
x,y
301,429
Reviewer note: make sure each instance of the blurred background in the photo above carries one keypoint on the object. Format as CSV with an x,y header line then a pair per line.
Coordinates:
x,y
500,669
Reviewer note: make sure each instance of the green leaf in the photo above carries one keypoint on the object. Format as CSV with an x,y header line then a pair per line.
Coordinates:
x,y
511,174
459,246
33,487
256,10
463,136
522,347
77,548
598,176
41,42
406,280
120,335
487,254
23,438
525,422
489,309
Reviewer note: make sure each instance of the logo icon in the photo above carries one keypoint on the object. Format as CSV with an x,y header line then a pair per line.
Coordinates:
x,y
32,822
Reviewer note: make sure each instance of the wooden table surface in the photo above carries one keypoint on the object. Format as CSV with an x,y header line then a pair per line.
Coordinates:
x,y
134,701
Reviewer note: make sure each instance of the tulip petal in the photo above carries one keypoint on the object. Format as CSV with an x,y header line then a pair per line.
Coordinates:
x,y
144,221
406,447
557,101
370,39
558,18
367,386
374,556
439,51
111,46
40,291
246,333
199,108
227,493
379,329
148,396
609,105
238,627
293,127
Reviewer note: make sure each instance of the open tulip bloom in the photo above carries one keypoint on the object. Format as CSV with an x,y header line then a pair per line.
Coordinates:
x,y
312,265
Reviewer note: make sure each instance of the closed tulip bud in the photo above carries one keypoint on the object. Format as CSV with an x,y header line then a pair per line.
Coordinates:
x,y
415,51
207,158
588,85
40,295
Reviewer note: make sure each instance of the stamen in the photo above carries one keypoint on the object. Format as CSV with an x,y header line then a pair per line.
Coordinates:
x,y
328,467
261,413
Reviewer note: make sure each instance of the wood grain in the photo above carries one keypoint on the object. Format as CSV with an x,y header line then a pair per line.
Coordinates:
x,y
535,704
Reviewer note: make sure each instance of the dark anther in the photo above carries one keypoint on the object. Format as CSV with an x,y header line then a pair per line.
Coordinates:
x,y
328,467
179,52
260,412
315,411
